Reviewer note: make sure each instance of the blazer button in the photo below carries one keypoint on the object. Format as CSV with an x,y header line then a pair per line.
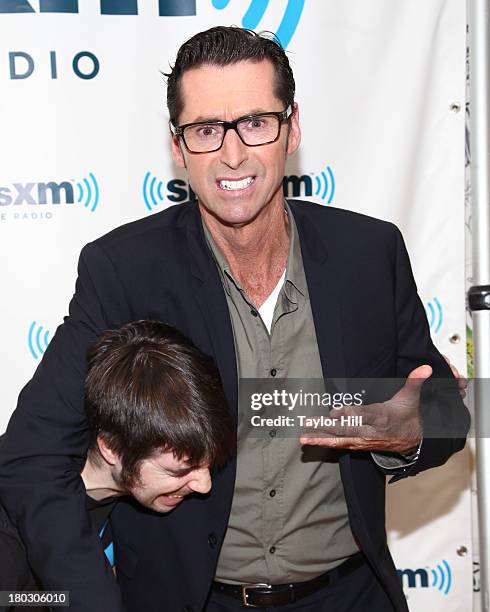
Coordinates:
x,y
187,609
212,540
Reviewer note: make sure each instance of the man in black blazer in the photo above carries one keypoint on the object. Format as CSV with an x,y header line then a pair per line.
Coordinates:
x,y
344,304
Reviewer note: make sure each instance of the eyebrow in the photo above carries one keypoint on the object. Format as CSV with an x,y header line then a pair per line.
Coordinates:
x,y
204,119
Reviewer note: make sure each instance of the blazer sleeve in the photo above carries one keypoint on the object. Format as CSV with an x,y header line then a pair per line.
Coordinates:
x,y
45,448
445,418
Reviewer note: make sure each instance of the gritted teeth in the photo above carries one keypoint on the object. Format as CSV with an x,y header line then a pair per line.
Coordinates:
x,y
232,185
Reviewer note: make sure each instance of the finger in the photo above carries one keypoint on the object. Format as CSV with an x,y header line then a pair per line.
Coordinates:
x,y
462,386
328,441
421,373
462,382
353,443
373,445
335,431
415,380
339,432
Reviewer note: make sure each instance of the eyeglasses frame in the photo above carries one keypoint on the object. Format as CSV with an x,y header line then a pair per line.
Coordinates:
x,y
284,115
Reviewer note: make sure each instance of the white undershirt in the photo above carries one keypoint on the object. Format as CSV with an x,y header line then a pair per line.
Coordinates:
x,y
266,311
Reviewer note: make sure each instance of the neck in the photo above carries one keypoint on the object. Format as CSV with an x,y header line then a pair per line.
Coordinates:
x,y
256,252
99,481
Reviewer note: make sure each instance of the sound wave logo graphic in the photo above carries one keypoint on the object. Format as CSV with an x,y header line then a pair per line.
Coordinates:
x,y
37,339
439,577
320,185
442,578
434,314
325,185
152,191
256,11
88,192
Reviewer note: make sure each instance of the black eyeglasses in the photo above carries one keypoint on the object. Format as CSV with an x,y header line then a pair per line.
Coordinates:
x,y
253,131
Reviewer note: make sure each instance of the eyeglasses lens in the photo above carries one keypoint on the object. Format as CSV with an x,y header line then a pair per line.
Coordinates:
x,y
252,130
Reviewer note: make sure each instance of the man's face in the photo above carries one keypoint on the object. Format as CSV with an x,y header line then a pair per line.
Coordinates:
x,y
227,93
165,481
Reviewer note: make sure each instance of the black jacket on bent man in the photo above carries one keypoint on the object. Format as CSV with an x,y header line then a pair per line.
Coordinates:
x,y
369,322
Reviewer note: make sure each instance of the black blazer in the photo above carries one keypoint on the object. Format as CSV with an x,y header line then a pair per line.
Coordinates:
x,y
369,321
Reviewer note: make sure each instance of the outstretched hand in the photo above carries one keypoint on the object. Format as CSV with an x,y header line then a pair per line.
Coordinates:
x,y
393,425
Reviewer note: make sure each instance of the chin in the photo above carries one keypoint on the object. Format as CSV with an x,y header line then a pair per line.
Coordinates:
x,y
161,510
235,214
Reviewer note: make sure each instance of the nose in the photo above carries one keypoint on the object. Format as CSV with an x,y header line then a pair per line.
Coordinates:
x,y
201,481
233,152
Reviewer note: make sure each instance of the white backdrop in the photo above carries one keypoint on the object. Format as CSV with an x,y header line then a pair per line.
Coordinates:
x,y
381,89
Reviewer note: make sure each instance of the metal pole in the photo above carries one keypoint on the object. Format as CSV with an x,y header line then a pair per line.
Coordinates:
x,y
479,294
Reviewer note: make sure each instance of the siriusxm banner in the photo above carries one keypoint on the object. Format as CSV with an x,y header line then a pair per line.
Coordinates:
x,y
85,148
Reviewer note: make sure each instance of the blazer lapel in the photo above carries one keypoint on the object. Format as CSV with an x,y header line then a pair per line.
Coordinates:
x,y
323,287
210,296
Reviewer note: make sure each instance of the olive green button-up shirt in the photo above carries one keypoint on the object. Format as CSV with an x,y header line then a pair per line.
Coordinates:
x,y
289,520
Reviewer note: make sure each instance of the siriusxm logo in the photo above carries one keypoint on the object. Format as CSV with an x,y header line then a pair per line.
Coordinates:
x,y
37,339
166,8
321,186
439,578
434,314
84,192
85,65
178,191
256,11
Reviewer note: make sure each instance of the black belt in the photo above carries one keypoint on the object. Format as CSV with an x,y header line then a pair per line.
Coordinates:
x,y
264,595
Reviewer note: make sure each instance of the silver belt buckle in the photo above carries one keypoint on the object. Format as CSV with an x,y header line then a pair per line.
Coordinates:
x,y
252,586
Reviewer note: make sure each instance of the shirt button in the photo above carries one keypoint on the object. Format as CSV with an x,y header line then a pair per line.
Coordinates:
x,y
254,313
272,550
272,493
212,540
272,433
273,372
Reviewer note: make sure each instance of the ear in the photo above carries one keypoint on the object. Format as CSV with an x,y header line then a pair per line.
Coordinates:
x,y
294,136
107,453
177,152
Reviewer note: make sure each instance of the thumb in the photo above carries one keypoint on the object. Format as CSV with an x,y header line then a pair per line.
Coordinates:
x,y
417,377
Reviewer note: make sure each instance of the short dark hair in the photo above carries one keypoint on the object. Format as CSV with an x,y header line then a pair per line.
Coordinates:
x,y
221,46
148,388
